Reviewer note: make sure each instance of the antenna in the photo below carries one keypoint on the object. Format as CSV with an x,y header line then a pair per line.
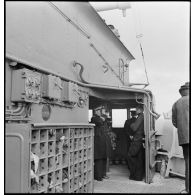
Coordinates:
x,y
144,63
139,36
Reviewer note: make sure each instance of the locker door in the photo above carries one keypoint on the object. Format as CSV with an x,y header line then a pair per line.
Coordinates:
x,y
150,143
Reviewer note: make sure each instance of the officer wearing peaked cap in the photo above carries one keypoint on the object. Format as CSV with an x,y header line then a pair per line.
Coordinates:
x,y
106,119
185,86
136,159
180,119
100,153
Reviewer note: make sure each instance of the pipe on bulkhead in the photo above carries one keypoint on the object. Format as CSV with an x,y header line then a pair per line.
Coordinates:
x,y
80,72
16,112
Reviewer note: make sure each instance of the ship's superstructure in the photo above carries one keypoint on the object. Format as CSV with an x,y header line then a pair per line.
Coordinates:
x,y
61,61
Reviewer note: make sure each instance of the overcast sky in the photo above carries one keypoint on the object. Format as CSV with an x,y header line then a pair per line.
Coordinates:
x,y
165,42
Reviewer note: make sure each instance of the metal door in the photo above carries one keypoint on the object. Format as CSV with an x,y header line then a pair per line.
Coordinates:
x,y
150,141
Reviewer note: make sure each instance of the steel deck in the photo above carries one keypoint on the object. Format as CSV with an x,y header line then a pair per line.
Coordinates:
x,y
119,183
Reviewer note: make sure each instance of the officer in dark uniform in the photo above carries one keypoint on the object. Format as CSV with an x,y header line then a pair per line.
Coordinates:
x,y
100,153
180,119
136,154
107,122
129,132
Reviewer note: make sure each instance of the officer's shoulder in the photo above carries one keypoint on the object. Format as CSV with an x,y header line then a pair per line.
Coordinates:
x,y
128,120
183,99
141,114
94,117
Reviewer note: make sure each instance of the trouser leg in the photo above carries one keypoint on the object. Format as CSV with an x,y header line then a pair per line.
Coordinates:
x,y
127,157
186,158
136,160
107,165
128,163
98,166
139,166
104,162
132,165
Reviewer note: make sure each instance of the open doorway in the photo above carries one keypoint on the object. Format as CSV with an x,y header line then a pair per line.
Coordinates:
x,y
119,111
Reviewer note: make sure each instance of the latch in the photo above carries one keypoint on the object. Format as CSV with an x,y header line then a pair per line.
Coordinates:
x,y
57,82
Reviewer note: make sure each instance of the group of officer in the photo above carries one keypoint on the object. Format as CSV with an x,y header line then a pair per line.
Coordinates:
x,y
134,129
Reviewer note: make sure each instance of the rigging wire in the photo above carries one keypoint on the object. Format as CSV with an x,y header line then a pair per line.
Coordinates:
x,y
144,64
139,36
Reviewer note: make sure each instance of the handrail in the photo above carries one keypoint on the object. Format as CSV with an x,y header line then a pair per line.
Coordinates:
x,y
61,124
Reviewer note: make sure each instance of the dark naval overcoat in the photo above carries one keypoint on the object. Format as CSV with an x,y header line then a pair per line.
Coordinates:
x,y
100,145
180,119
136,159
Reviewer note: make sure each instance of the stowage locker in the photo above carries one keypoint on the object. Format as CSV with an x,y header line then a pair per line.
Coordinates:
x,y
49,158
26,86
69,91
51,87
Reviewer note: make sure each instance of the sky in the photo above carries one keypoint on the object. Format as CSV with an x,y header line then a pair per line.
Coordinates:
x,y
165,42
